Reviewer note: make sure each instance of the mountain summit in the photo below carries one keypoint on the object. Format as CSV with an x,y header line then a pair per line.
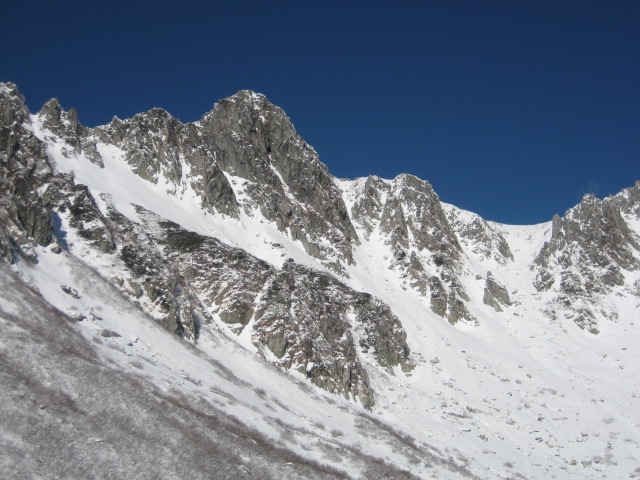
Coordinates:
x,y
220,266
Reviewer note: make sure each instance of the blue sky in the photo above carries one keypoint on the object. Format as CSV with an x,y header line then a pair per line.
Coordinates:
x,y
511,109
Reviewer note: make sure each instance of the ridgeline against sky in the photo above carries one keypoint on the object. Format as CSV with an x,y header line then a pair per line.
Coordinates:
x,y
511,109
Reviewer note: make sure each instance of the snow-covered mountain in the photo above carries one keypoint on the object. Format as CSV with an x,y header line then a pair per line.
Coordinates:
x,y
206,300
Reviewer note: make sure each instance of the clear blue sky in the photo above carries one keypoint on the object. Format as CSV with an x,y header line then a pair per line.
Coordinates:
x,y
512,109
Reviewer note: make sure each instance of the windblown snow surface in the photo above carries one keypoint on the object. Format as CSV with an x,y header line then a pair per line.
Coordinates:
x,y
513,395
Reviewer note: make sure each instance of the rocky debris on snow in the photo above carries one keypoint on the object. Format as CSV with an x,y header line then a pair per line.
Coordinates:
x,y
106,333
72,292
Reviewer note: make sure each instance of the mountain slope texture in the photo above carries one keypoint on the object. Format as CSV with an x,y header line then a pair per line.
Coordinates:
x,y
206,300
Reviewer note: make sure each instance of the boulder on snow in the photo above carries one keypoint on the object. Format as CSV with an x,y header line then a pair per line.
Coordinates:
x,y
104,332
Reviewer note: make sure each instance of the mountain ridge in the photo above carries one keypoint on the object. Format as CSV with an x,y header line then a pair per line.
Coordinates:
x,y
231,226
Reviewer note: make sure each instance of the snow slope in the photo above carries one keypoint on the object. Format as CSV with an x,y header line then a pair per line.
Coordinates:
x,y
517,393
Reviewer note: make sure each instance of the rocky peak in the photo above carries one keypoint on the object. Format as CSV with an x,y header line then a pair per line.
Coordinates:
x,y
589,249
597,229
54,118
253,139
425,220
628,200
405,206
409,217
24,216
9,88
51,109
259,126
243,136
153,144
250,100
63,125
154,122
13,109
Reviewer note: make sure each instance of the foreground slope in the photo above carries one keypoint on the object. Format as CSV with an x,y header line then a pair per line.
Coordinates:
x,y
115,395
480,350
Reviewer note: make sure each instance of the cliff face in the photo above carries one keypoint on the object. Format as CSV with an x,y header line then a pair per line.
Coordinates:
x,y
586,257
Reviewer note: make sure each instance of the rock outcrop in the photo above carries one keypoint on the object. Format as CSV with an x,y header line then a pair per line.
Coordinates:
x,y
248,138
24,169
407,215
495,294
586,256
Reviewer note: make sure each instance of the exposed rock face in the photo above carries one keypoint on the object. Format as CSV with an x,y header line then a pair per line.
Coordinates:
x,y
254,140
305,320
408,215
628,200
62,124
24,168
302,316
480,237
244,136
160,148
597,230
77,204
495,295
589,249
